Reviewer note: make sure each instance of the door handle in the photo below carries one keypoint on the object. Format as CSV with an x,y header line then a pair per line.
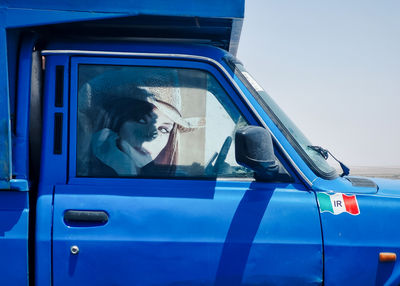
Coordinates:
x,y
85,218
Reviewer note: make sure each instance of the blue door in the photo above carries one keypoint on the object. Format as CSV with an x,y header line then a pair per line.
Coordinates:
x,y
154,195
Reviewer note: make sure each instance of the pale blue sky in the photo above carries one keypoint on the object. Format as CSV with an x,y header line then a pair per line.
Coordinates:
x,y
334,67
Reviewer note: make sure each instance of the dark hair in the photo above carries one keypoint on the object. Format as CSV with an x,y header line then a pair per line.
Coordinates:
x,y
165,163
124,109
169,155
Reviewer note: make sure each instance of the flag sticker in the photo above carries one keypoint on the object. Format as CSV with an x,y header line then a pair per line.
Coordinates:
x,y
338,203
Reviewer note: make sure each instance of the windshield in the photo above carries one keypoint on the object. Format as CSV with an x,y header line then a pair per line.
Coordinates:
x,y
297,139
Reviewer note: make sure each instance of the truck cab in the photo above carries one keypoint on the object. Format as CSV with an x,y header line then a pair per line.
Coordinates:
x,y
139,151
204,220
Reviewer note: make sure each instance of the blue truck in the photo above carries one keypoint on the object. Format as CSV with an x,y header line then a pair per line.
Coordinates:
x,y
135,149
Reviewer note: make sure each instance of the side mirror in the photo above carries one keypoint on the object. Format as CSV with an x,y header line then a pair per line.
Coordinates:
x,y
254,150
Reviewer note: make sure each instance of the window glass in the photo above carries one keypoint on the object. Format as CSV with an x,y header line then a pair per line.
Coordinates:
x,y
155,122
315,160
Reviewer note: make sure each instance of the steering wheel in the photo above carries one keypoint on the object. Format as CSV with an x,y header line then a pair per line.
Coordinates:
x,y
221,156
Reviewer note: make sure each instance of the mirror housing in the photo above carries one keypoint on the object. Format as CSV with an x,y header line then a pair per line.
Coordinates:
x,y
254,149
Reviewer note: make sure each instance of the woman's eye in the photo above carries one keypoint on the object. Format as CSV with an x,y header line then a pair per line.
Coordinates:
x,y
163,130
142,121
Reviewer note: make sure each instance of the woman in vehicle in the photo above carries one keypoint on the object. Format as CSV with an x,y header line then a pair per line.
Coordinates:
x,y
135,134
129,121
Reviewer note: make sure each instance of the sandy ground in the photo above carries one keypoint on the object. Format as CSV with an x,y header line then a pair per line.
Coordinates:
x,y
378,172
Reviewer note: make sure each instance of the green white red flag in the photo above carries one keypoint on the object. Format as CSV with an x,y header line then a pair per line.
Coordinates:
x,y
338,203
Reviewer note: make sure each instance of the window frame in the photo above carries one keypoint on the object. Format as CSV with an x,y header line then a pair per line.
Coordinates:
x,y
147,62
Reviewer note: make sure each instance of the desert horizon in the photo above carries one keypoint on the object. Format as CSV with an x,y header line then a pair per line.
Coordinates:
x,y
375,171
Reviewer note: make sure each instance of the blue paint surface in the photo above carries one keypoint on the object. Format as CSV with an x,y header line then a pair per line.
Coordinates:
x,y
352,243
14,213
222,234
20,156
5,132
43,262
162,232
205,8
4,153
14,205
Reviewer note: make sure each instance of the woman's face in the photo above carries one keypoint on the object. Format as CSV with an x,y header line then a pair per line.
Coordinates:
x,y
164,127
149,135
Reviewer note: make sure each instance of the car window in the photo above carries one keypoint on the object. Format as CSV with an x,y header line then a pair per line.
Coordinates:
x,y
155,122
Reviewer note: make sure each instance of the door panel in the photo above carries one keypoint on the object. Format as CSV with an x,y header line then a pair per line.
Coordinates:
x,y
202,222
198,233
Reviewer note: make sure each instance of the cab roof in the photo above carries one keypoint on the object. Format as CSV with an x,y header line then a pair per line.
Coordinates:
x,y
217,21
